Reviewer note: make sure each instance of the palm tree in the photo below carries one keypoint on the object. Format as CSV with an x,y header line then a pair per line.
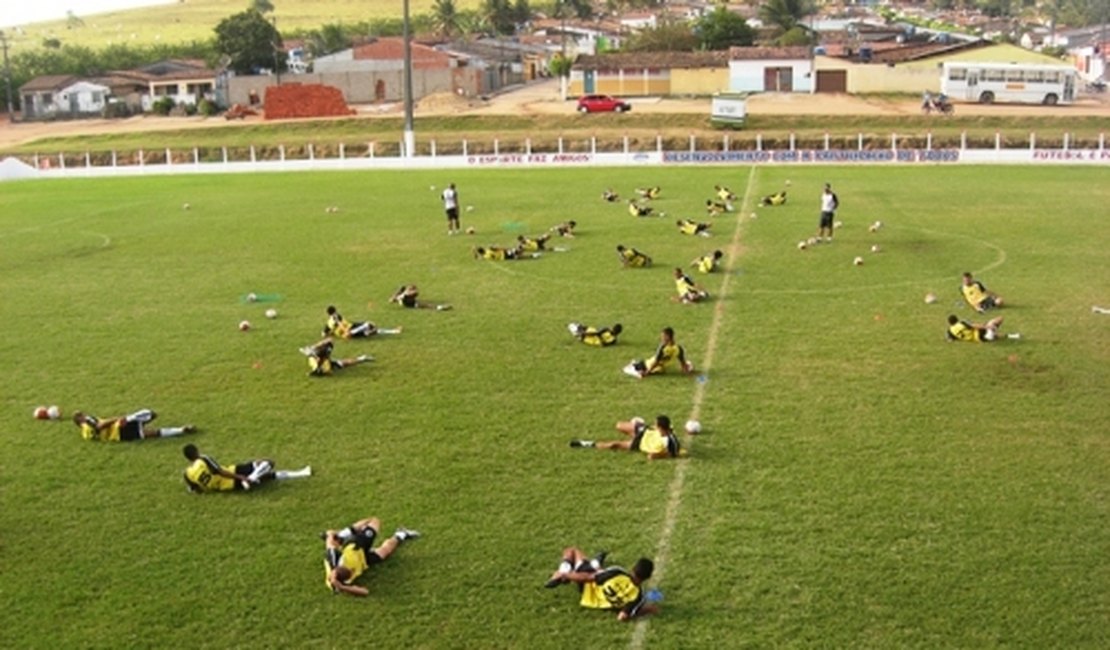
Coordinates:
x,y
445,17
784,14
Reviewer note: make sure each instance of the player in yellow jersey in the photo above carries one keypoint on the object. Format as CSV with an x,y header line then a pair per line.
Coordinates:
x,y
639,210
204,474
601,337
977,295
609,588
349,552
724,194
501,254
630,257
321,364
959,330
125,428
688,291
408,296
610,196
657,441
778,198
708,263
565,229
714,208
690,227
667,352
649,193
336,325
535,244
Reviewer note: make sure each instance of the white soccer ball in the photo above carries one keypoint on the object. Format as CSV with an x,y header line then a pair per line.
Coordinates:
x,y
244,325
271,313
858,261
875,248
693,427
930,298
53,413
802,245
252,297
185,206
813,241
838,224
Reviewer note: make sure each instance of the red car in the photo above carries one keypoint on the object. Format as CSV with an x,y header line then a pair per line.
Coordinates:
x,y
601,103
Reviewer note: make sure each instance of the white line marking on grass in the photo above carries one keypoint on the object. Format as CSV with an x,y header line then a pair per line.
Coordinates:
x,y
674,501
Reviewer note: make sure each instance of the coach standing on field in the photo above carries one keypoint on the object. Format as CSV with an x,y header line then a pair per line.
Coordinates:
x,y
451,207
829,203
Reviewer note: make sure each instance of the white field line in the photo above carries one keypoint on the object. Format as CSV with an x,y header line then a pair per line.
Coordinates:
x,y
674,501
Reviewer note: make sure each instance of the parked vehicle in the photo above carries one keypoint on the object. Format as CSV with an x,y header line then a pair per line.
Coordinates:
x,y
1030,83
601,104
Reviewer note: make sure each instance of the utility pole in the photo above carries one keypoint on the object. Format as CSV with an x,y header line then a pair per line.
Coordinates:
x,y
7,76
410,133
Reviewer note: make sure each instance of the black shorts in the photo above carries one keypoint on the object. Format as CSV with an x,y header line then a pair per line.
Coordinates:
x,y
826,220
129,431
638,436
408,301
987,303
364,539
452,214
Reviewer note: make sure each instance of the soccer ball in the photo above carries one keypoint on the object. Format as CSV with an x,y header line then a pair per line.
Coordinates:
x,y
53,413
41,413
858,261
252,297
693,427
930,298
875,248
470,230
470,208
838,224
185,206
802,245
271,313
244,325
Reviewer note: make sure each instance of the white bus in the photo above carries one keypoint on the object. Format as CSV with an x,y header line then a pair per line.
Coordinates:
x,y
1028,83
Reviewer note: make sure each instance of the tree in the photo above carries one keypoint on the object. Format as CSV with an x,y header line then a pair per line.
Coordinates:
x,y
250,41
262,6
784,15
499,13
666,36
721,29
445,18
332,37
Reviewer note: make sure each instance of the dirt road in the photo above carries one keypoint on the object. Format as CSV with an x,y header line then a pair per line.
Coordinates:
x,y
543,99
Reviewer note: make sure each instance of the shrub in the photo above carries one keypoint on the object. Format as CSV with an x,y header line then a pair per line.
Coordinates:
x,y
163,106
207,108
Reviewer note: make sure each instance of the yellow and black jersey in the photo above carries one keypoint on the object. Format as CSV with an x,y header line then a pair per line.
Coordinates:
x,y
603,337
637,210
652,192
964,331
203,475
778,198
706,263
654,441
664,355
633,257
684,285
530,245
613,588
117,430
725,194
974,293
350,556
497,254
337,326
688,227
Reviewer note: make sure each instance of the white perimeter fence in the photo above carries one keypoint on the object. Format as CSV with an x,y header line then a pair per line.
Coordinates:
x,y
584,152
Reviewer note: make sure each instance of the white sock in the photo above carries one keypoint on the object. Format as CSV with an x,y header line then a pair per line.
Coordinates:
x,y
303,472
565,567
169,432
401,535
145,415
346,534
395,330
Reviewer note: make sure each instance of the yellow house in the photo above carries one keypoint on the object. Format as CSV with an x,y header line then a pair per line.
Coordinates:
x,y
894,67
635,74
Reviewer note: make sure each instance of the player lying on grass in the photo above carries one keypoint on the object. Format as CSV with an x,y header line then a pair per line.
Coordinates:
x,y
348,553
534,244
500,254
204,474
408,296
657,441
649,193
610,588
321,364
630,257
667,353
610,196
709,262
125,428
638,210
723,193
690,227
977,295
603,337
336,325
565,229
688,291
778,198
714,208
959,330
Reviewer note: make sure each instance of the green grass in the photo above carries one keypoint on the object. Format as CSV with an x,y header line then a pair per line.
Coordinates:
x,y
860,482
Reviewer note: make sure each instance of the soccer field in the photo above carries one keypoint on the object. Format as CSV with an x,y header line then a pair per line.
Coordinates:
x,y
859,481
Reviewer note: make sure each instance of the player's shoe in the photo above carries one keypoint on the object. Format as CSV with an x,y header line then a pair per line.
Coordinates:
x,y
576,443
363,358
632,371
306,350
405,534
554,582
574,328
599,560
189,428
443,307
1015,336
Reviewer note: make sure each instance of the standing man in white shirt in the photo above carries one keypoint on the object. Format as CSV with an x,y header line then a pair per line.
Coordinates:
x,y
829,203
451,207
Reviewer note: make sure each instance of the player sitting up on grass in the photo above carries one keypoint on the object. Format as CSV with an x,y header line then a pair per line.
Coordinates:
x,y
689,227
204,474
603,337
565,229
350,552
658,441
688,291
630,257
610,588
714,208
959,330
125,428
977,295
708,263
336,325
667,352
724,194
637,210
610,196
321,364
408,296
778,198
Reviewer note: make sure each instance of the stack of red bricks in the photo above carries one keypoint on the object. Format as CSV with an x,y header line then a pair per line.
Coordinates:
x,y
304,100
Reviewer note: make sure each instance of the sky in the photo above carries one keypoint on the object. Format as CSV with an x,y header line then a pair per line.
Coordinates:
x,y
21,12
